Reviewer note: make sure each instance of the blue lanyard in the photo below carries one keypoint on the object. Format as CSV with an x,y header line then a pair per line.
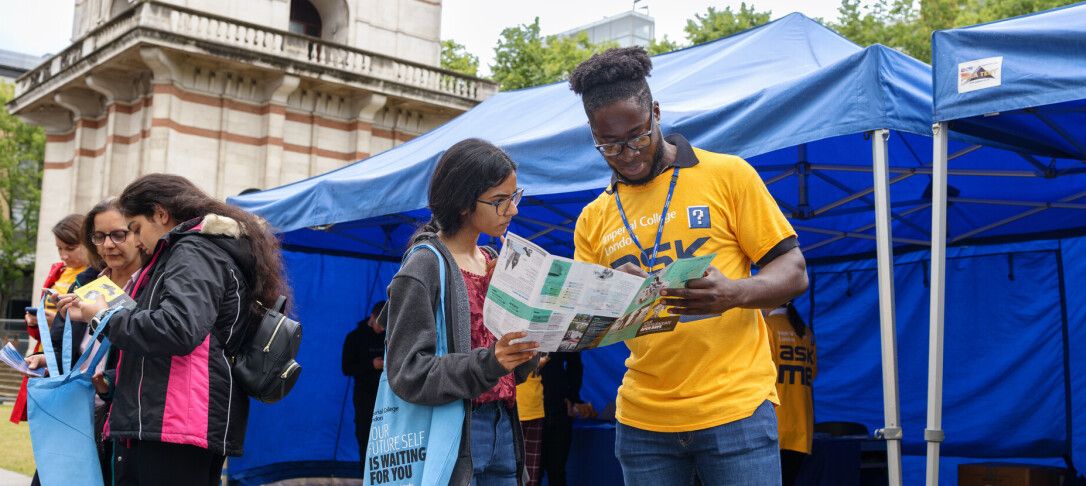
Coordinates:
x,y
659,230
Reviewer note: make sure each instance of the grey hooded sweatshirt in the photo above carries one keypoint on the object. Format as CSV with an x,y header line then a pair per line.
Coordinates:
x,y
415,374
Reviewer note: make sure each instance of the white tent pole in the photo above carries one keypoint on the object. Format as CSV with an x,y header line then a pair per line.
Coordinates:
x,y
934,431
891,432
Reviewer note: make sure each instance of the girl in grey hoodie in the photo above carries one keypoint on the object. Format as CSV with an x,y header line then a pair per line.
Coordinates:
x,y
473,191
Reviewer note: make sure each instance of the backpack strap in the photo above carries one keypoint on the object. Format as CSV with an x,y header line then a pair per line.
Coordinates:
x,y
439,317
280,303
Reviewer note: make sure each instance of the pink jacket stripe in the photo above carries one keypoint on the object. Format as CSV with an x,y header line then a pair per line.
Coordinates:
x,y
185,417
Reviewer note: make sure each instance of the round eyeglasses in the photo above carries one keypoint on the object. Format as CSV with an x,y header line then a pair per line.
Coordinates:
x,y
502,206
118,237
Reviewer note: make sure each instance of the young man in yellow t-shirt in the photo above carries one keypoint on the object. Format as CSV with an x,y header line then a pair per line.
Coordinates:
x,y
697,401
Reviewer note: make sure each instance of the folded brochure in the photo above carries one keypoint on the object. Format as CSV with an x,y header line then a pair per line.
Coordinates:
x,y
566,305
11,356
103,286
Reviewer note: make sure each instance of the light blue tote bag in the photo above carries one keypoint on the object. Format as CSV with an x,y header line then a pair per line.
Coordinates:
x,y
60,409
413,444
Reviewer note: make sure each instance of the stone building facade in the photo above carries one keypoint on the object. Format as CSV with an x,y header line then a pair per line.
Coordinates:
x,y
232,94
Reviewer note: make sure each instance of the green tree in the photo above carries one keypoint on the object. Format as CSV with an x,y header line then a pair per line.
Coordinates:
x,y
455,57
980,11
525,58
22,152
663,45
716,24
906,25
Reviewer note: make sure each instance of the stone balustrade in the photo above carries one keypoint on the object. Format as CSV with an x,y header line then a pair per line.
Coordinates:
x,y
205,28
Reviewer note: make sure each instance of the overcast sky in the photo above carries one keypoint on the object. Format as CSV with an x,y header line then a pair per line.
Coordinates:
x,y
38,27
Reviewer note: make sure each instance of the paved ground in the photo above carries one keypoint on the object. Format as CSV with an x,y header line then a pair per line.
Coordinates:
x,y
8,478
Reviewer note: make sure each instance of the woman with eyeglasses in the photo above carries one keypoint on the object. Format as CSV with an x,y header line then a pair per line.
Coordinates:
x,y
109,252
109,247
473,191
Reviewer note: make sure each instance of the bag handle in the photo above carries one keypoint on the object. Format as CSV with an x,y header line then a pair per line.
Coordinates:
x,y
66,343
102,349
439,318
47,338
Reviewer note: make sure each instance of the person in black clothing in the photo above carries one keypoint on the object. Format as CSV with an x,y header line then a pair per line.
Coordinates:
x,y
364,359
561,403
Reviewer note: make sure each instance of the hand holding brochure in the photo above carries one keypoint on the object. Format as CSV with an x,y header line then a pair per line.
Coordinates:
x,y
11,356
567,305
103,286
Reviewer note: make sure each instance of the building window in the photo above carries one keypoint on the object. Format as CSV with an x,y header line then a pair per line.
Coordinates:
x,y
304,18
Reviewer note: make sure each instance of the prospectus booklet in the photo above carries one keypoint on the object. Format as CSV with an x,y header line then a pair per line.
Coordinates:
x,y
115,297
567,305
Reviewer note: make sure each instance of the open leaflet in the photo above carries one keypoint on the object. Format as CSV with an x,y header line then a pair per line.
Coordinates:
x,y
567,305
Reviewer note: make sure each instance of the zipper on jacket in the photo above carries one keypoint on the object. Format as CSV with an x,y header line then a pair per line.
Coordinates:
x,y
287,371
267,347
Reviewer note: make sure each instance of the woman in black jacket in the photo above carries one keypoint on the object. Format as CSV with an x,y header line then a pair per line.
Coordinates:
x,y
209,267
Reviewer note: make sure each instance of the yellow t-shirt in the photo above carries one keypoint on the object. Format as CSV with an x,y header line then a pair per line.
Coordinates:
x,y
63,283
530,397
797,367
706,372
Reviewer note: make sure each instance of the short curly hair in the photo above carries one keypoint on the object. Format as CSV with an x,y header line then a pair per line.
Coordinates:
x,y
613,75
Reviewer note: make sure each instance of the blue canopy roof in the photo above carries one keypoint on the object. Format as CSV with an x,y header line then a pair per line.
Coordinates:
x,y
757,94
1028,70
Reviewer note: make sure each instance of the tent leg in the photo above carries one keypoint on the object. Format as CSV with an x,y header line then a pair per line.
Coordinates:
x,y
891,432
933,434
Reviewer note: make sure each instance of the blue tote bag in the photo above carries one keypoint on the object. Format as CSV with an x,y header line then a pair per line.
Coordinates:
x,y
413,444
60,410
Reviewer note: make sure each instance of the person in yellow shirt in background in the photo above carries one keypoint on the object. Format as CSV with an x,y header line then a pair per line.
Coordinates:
x,y
530,405
68,234
696,402
793,345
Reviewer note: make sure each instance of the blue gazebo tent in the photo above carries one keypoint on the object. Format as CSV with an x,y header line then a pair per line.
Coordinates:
x,y
1015,84
815,114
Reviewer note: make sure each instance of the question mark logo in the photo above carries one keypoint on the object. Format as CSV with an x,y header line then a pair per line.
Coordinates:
x,y
698,217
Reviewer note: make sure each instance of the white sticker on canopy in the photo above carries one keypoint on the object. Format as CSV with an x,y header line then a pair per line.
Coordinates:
x,y
980,74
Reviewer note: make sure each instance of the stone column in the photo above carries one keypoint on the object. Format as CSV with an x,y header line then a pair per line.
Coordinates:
x,y
364,109
276,91
165,74
56,198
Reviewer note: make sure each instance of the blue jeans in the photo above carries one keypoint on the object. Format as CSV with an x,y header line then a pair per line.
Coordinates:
x,y
743,452
492,452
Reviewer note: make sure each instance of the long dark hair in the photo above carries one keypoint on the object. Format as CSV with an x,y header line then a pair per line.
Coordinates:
x,y
184,201
794,318
463,174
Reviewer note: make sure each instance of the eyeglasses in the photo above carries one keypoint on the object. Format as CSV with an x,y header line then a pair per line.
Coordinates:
x,y
502,207
637,143
118,237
